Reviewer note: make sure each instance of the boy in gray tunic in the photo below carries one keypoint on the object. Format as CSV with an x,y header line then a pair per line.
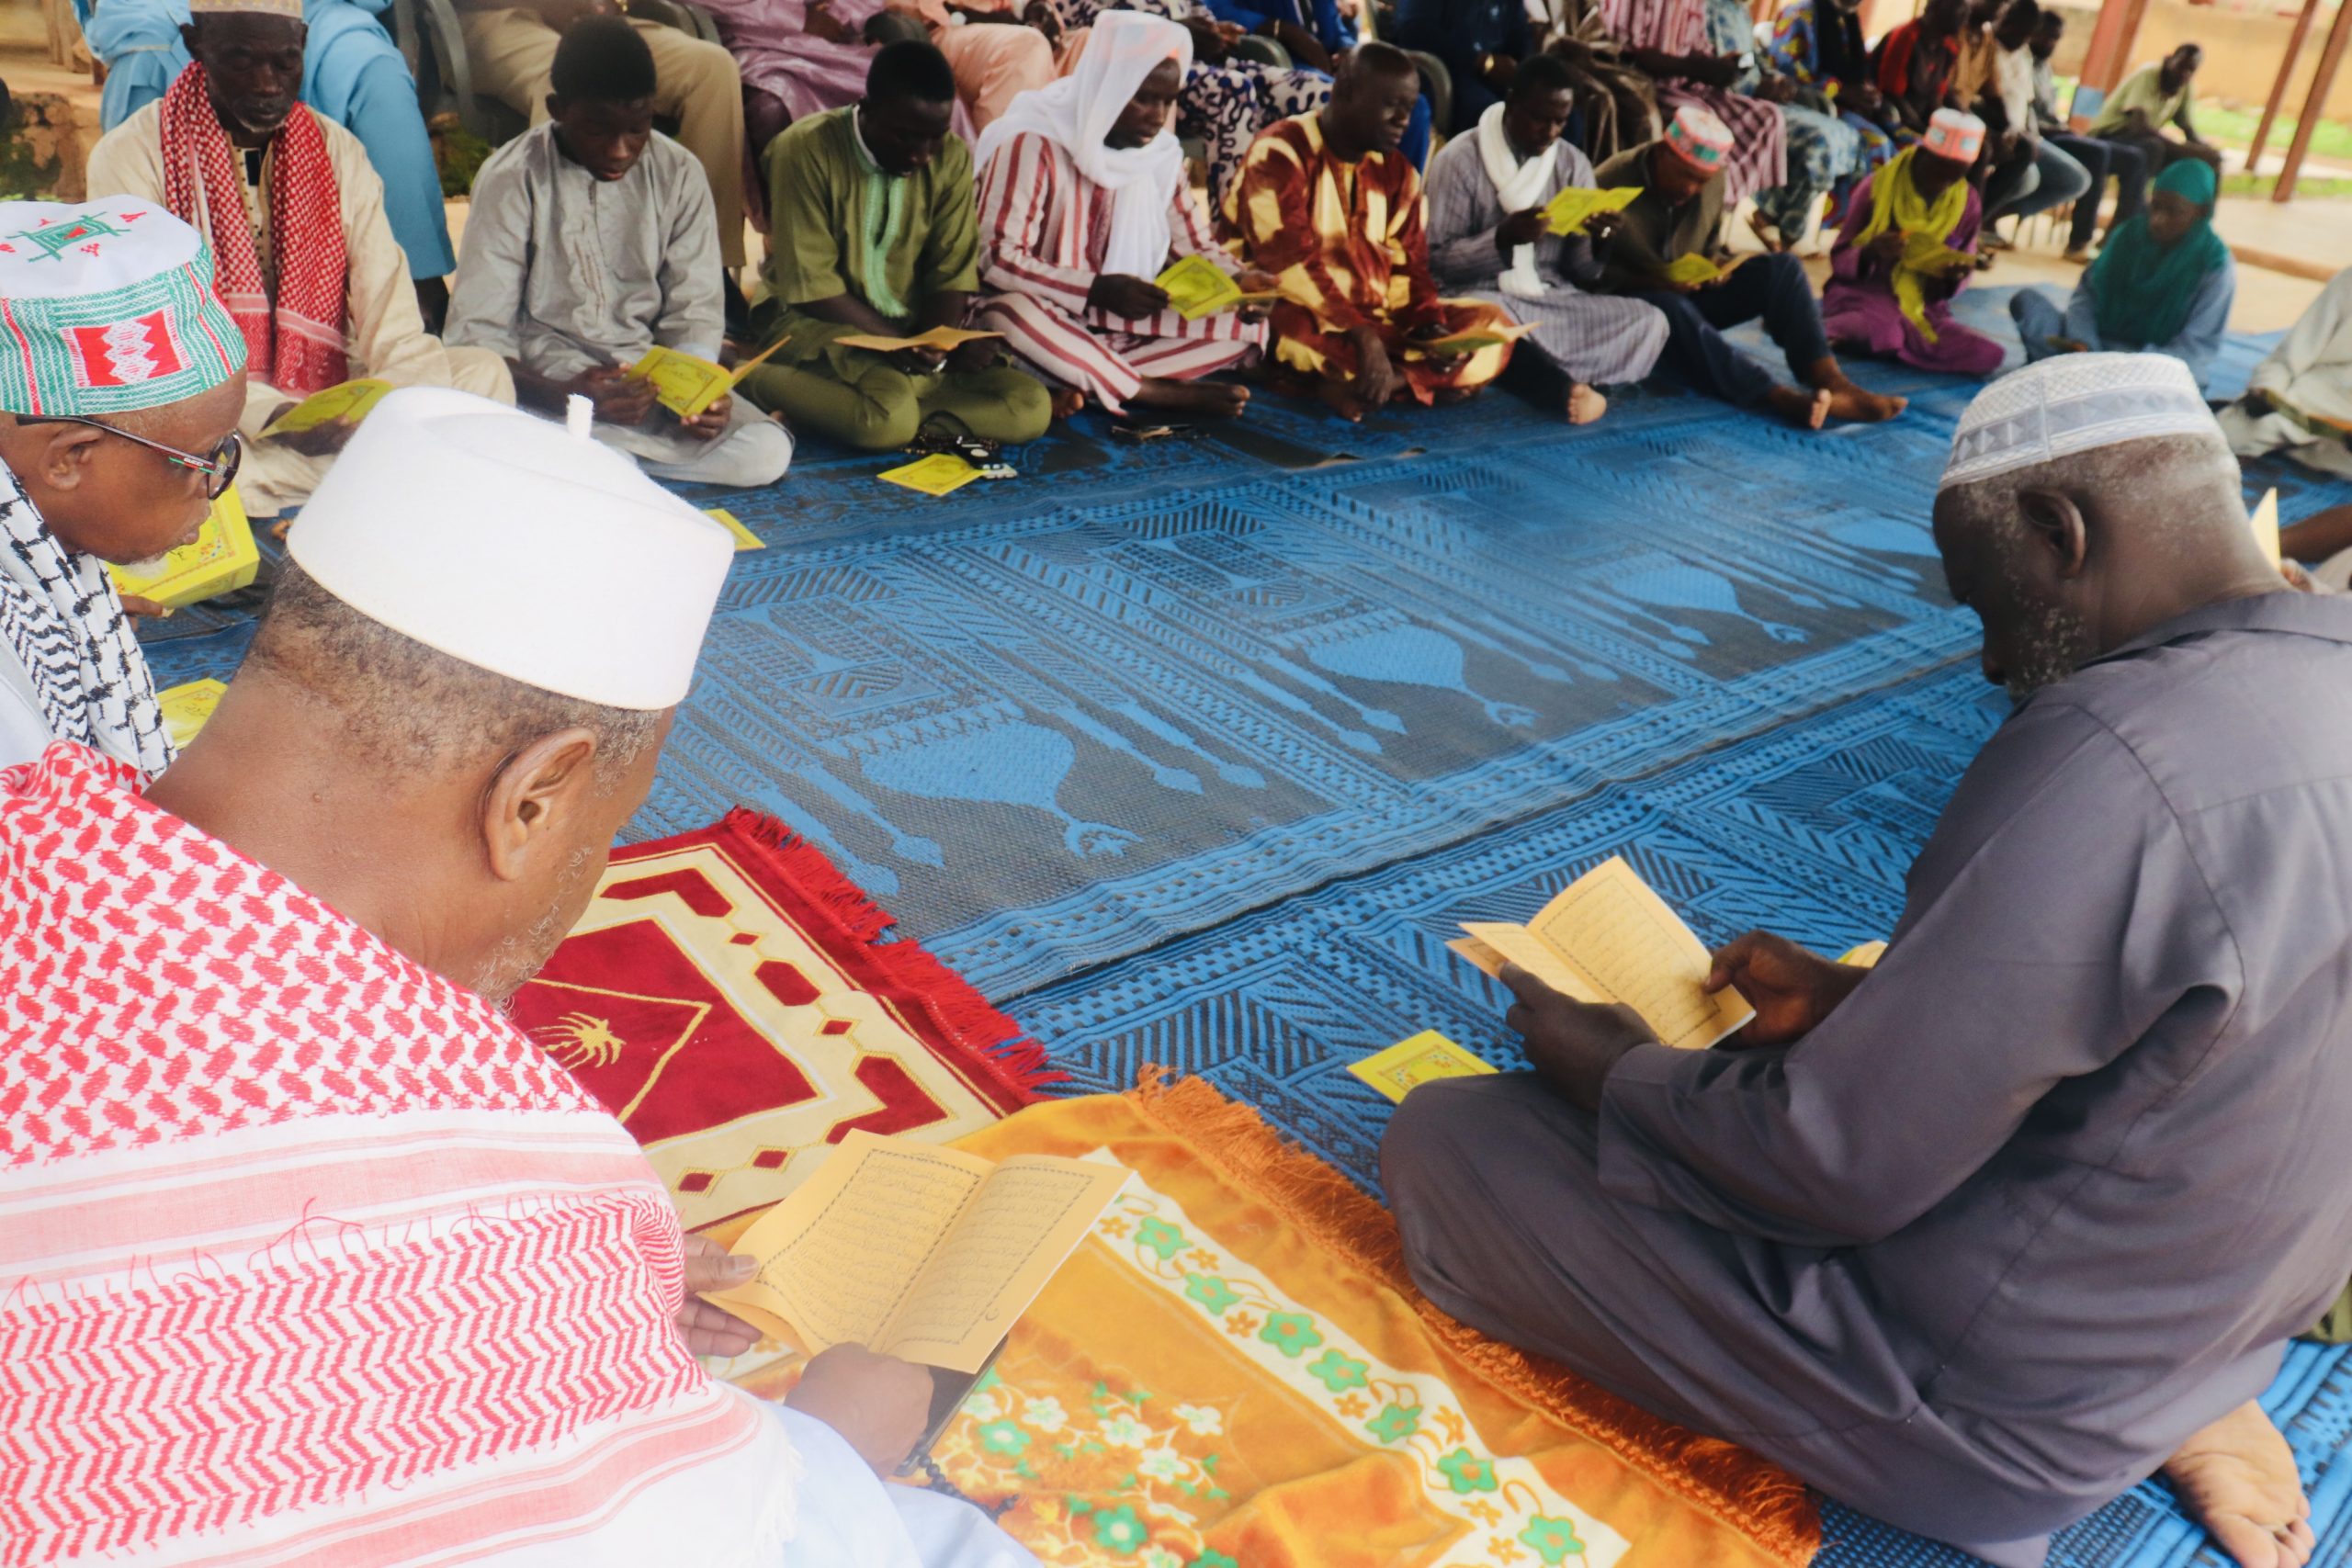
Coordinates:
x,y
1489,238
1978,1239
590,240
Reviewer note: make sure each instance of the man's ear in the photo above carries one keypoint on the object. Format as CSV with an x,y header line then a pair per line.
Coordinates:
x,y
2054,520
188,37
66,454
531,801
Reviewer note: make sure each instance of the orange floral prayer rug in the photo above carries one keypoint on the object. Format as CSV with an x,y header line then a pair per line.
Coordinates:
x,y
728,995
1235,1370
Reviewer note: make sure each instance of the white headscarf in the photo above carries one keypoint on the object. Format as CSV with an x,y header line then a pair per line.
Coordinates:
x,y
1518,186
1078,112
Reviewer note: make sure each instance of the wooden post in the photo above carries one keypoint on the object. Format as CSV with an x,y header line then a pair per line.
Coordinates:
x,y
2278,88
2339,33
2117,30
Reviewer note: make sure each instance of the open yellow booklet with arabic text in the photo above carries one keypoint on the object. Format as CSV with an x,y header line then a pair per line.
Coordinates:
x,y
916,1250
686,384
1608,938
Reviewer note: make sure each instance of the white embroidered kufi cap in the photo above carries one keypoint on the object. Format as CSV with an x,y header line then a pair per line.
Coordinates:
x,y
503,540
2075,403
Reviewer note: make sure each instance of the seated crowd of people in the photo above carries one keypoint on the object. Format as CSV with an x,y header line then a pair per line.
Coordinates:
x,y
315,1257
1022,175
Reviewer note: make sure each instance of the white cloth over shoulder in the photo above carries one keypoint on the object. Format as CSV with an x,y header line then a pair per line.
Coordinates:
x,y
1518,185
1079,111
848,1515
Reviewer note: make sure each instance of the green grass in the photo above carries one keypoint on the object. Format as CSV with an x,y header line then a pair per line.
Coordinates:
x,y
2305,190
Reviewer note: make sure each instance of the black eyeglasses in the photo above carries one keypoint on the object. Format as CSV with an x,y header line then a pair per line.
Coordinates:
x,y
218,467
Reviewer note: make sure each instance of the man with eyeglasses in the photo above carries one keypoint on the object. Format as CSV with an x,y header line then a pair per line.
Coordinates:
x,y
302,252
121,378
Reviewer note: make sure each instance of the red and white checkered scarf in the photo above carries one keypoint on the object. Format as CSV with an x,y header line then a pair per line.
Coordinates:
x,y
296,345
308,1258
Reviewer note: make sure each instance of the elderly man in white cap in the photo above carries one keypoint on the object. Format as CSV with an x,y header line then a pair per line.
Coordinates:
x,y
120,382
310,1257
302,254
1979,1238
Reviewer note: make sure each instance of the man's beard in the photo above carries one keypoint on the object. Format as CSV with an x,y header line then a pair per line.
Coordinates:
x,y
520,956
146,566
2054,646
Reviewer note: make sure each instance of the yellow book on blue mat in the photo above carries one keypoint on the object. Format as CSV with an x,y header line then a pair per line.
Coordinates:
x,y
1606,937
223,559
2266,529
186,708
1410,1063
744,539
935,475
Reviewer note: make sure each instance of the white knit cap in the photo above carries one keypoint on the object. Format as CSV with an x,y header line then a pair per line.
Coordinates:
x,y
506,542
2075,403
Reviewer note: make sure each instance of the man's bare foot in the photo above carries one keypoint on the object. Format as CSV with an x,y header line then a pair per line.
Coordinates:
x,y
1068,401
1340,397
1209,400
1856,406
2238,1478
1584,404
1766,235
1805,410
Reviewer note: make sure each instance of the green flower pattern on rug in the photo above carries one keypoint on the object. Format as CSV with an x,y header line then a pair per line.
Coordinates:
x,y
1554,1541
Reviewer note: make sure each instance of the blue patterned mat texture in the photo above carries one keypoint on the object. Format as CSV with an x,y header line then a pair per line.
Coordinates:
x,y
1195,751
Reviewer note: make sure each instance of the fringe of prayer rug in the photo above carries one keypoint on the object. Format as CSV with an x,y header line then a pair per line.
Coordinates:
x,y
1235,1369
728,995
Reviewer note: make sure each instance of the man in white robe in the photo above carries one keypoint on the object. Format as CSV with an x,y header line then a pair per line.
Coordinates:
x,y
306,263
312,1256
2300,399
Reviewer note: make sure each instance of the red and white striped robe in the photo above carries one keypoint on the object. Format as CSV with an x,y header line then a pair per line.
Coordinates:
x,y
1044,227
309,1260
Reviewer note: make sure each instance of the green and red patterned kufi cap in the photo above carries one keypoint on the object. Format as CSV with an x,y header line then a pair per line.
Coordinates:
x,y
106,306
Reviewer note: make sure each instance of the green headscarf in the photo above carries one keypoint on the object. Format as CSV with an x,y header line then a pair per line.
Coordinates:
x,y
2145,289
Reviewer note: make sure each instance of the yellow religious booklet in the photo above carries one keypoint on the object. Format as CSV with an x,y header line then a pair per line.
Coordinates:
x,y
1197,286
2265,527
943,339
1474,339
1578,205
1865,956
1609,939
1696,269
1410,1063
186,708
744,539
935,475
916,1250
222,558
686,384
351,401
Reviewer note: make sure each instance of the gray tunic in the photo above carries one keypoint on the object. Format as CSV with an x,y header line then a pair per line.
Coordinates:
x,y
1591,338
562,272
2051,1190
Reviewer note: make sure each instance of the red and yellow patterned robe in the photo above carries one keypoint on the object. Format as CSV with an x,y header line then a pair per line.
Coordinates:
x,y
1348,242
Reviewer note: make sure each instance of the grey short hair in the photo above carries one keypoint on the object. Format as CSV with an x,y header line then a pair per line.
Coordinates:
x,y
2160,478
409,706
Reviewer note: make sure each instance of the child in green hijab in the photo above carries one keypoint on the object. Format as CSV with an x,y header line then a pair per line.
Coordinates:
x,y
2163,285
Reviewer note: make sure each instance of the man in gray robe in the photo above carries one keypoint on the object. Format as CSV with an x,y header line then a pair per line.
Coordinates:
x,y
590,240
1979,1238
1489,238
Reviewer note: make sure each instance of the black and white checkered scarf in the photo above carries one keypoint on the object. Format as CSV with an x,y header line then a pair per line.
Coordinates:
x,y
61,619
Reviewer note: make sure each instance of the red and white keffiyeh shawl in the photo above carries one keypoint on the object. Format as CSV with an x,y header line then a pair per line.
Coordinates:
x,y
298,346
308,1258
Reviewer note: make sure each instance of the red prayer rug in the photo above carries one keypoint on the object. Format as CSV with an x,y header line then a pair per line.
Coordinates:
x,y
728,996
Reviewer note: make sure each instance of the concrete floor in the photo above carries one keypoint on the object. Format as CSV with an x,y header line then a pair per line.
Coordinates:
x,y
2312,238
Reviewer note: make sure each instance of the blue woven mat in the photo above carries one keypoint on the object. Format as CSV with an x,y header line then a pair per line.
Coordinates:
x,y
1199,748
